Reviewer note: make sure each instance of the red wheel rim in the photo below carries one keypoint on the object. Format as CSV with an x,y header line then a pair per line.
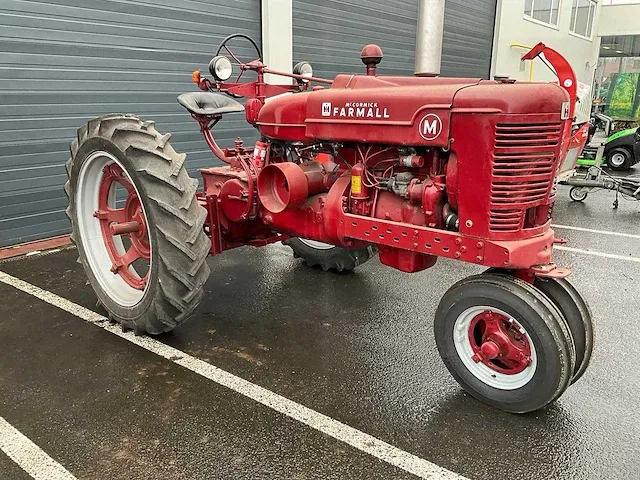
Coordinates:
x,y
499,342
129,223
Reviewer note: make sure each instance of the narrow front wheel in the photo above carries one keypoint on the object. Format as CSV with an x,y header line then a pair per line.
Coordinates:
x,y
576,311
504,342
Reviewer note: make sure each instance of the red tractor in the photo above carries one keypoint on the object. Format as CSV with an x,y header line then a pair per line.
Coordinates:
x,y
414,167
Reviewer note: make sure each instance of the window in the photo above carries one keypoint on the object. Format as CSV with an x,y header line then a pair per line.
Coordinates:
x,y
582,17
545,11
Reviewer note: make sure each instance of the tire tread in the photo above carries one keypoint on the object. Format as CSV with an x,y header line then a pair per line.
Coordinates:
x,y
336,259
183,246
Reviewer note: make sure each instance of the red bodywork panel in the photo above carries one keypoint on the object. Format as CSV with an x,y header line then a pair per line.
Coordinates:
x,y
506,137
486,152
364,109
398,110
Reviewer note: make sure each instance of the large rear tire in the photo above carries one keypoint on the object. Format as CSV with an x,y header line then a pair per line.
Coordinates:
x,y
329,257
145,257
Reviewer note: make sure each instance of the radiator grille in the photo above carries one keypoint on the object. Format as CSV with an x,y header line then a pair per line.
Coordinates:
x,y
523,167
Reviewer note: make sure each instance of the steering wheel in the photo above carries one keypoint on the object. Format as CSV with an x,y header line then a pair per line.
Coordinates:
x,y
234,56
238,35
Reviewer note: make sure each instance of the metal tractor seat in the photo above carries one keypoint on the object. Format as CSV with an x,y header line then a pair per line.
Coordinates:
x,y
209,103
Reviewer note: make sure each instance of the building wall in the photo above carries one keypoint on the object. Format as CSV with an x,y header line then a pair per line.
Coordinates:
x,y
333,46
137,57
619,20
513,28
64,62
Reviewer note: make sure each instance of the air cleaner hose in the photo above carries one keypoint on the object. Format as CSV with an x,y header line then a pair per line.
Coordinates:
x,y
451,220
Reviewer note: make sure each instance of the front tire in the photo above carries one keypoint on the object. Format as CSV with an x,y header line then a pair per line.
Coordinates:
x,y
576,312
504,342
329,257
145,257
620,159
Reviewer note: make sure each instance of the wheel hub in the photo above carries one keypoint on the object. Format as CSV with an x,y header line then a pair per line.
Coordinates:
x,y
494,347
489,350
499,342
129,221
617,159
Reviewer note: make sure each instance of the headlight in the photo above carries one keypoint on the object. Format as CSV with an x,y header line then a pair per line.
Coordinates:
x,y
221,68
304,69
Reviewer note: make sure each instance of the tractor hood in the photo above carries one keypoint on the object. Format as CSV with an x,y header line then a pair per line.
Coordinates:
x,y
399,110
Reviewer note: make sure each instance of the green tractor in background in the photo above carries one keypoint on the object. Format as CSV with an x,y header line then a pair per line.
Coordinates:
x,y
622,149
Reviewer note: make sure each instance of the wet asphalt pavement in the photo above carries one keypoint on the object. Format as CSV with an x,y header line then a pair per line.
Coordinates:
x,y
356,347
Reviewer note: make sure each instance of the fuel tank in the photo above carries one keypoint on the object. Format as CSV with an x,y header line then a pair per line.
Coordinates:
x,y
399,110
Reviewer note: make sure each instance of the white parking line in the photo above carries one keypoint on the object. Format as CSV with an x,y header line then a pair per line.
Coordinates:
x,y
327,425
600,232
597,254
31,458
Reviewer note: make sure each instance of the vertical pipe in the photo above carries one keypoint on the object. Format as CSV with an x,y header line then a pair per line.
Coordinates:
x,y
277,37
429,38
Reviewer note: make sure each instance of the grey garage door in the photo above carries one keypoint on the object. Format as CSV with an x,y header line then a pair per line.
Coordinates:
x,y
65,61
331,33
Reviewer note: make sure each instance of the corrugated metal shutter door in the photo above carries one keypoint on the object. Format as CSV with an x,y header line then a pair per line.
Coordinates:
x,y
331,33
65,61
468,37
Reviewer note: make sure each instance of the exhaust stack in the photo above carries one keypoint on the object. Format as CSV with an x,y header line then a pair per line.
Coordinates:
x,y
429,38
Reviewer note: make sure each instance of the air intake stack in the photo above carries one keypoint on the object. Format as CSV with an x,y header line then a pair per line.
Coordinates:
x,y
429,38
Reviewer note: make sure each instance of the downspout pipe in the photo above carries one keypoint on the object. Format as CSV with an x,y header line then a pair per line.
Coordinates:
x,y
429,38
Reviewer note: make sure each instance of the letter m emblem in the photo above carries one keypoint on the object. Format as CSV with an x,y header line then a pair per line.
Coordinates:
x,y
430,126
